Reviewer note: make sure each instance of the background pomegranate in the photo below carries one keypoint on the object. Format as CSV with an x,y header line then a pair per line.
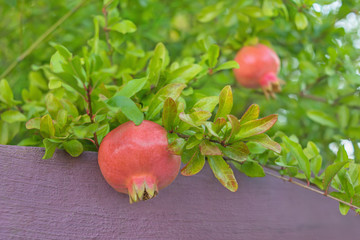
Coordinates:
x,y
136,160
259,66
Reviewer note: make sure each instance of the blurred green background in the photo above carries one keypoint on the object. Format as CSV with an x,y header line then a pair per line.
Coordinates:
x,y
318,43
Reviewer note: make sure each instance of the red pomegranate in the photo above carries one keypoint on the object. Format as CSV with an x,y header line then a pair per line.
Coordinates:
x,y
136,160
259,66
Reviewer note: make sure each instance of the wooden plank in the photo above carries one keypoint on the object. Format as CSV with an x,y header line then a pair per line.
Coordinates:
x,y
67,198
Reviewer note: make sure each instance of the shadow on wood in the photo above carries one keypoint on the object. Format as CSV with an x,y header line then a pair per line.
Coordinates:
x,y
67,198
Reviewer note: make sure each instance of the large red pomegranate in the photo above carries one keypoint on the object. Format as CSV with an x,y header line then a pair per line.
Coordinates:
x,y
258,68
136,160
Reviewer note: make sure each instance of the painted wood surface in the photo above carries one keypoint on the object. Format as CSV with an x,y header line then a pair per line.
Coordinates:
x,y
67,198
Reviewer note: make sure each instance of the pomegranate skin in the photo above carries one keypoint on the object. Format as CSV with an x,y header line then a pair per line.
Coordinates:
x,y
259,66
135,160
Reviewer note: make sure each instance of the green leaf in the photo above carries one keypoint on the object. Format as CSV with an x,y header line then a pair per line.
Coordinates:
x,y
342,155
125,26
53,105
73,147
192,142
265,141
311,150
78,69
195,119
315,164
157,64
172,90
37,80
330,173
85,131
31,141
210,12
252,11
195,164
4,132
211,129
322,118
255,148
107,2
354,171
236,151
301,21
206,104
169,114
208,148
296,150
95,42
226,65
223,172
268,8
128,108
6,94
176,147
353,132
102,131
47,128
54,84
235,126
184,74
344,209
61,118
33,123
250,168
251,113
255,127
12,116
71,81
213,54
225,102
219,123
63,51
131,88
343,116
50,148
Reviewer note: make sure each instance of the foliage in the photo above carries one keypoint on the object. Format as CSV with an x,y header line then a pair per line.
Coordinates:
x,y
127,60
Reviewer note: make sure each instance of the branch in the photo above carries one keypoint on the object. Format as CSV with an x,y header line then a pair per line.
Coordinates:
x,y
318,80
312,97
353,207
337,100
306,185
90,111
324,100
40,39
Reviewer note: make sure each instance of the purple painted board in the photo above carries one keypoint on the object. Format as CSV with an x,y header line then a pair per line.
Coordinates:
x,y
67,198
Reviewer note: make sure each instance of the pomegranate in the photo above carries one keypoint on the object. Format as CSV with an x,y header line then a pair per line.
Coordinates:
x,y
259,66
135,160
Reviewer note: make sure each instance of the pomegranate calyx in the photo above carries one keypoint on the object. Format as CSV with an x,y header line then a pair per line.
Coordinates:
x,y
270,84
142,188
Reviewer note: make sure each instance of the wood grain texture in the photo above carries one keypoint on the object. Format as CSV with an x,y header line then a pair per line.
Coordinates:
x,y
67,198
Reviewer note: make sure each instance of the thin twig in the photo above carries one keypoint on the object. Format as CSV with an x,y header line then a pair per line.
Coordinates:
x,y
90,110
312,189
312,97
40,39
318,80
323,100
337,100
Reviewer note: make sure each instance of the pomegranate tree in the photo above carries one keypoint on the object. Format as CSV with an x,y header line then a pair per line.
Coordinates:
x,y
135,160
259,66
